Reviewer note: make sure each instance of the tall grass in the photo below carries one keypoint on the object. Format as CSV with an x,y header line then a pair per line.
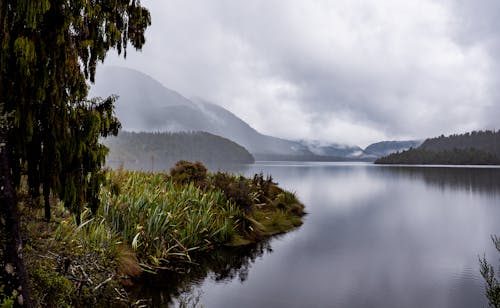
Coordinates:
x,y
163,220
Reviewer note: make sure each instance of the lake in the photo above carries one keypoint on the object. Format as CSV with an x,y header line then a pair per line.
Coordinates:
x,y
374,236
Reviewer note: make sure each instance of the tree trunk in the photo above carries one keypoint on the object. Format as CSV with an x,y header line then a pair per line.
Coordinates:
x,y
46,200
13,271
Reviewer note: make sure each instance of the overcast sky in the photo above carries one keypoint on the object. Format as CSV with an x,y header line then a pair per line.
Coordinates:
x,y
348,71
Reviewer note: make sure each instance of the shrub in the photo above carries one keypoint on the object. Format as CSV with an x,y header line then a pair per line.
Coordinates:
x,y
491,279
186,172
265,189
235,188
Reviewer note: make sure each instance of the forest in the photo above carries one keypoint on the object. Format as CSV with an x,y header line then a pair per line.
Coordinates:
x,y
160,151
474,148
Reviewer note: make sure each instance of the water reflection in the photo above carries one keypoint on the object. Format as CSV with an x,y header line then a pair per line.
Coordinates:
x,y
375,237
476,180
221,265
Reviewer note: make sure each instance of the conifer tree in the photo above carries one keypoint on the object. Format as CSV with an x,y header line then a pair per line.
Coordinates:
x,y
49,50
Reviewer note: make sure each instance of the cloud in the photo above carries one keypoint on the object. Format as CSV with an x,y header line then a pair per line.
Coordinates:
x,y
340,71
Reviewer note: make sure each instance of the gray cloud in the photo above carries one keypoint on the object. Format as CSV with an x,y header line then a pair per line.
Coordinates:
x,y
341,71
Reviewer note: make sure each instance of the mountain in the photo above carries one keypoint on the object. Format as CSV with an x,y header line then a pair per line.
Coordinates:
x,y
160,151
475,148
144,104
384,148
488,141
332,149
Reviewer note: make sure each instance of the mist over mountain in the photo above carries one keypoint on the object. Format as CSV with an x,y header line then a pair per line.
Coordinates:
x,y
332,149
384,148
144,104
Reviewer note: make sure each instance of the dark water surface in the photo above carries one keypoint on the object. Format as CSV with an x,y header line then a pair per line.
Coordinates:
x,y
375,236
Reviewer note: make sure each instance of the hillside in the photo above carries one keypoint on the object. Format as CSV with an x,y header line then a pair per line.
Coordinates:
x,y
160,151
475,148
488,141
144,104
384,148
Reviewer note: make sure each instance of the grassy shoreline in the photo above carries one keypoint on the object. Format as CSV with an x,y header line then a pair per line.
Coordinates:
x,y
148,222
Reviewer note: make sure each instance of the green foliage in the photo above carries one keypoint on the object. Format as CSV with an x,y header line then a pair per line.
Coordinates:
x,y
476,148
469,156
235,188
163,220
6,300
48,51
491,279
72,265
185,172
168,218
51,289
288,201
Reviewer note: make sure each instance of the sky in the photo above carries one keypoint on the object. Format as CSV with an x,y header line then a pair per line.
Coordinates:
x,y
344,71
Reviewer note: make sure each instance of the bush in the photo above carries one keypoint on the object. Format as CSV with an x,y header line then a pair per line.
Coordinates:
x,y
491,279
236,189
265,188
186,172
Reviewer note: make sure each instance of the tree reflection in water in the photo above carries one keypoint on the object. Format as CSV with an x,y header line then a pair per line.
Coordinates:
x,y
475,180
226,263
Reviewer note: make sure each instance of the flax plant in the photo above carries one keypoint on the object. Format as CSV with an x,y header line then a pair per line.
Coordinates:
x,y
162,220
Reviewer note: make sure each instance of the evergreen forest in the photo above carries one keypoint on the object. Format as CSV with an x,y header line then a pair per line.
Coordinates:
x,y
474,148
160,151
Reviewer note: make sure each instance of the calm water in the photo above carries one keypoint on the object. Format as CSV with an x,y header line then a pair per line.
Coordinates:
x,y
374,237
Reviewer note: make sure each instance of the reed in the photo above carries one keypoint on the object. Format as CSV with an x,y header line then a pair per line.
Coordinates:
x,y
163,220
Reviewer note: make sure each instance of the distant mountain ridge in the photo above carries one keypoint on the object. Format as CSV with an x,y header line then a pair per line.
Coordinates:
x,y
160,151
475,148
146,105
384,148
488,141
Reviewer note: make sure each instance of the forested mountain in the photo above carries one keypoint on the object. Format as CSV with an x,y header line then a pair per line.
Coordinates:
x,y
384,148
160,151
488,141
475,148
144,104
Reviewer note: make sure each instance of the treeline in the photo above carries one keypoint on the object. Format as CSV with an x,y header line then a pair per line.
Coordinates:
x,y
160,151
488,141
475,148
420,156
